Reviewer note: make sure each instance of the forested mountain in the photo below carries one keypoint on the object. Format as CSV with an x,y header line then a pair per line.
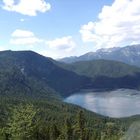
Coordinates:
x,y
31,107
27,71
94,68
129,54
107,74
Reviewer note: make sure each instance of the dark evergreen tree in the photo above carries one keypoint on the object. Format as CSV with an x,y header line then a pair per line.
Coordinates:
x,y
68,130
54,132
80,129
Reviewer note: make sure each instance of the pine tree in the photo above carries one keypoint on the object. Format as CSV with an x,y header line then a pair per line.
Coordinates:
x,y
80,129
54,132
21,123
81,124
68,130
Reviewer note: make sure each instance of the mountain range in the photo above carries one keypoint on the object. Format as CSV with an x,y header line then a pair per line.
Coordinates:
x,y
28,73
32,89
129,54
106,74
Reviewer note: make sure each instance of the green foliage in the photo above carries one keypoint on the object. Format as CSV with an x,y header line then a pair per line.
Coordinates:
x,y
25,121
54,132
22,122
68,130
81,125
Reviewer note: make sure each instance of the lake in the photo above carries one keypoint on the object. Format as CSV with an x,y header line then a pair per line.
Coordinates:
x,y
117,103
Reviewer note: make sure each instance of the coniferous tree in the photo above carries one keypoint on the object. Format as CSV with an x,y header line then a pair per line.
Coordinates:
x,y
80,130
68,130
22,122
54,132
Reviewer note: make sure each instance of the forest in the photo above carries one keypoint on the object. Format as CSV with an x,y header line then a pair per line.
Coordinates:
x,y
47,119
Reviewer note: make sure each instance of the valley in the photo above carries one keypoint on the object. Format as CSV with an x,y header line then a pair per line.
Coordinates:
x,y
34,86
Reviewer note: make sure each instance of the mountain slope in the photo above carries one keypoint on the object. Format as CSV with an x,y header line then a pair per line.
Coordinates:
x,y
128,54
26,70
95,68
107,74
28,73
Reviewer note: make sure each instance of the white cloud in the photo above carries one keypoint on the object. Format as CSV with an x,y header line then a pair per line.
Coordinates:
x,y
2,48
64,43
25,41
57,48
60,47
24,37
118,25
22,33
26,7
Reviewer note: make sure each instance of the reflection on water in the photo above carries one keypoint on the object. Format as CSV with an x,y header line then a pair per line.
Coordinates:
x,y
118,103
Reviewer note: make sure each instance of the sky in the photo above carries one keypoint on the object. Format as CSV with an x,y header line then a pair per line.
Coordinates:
x,y
60,28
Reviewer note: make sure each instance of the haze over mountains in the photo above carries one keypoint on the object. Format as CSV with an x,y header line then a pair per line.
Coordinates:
x,y
129,54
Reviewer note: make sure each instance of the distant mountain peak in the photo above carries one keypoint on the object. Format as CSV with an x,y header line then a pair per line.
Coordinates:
x,y
128,54
108,50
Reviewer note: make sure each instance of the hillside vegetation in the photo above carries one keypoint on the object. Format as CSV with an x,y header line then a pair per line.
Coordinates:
x,y
106,74
32,88
95,68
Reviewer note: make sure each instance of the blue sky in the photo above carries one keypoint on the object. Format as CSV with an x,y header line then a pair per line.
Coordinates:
x,y
60,28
